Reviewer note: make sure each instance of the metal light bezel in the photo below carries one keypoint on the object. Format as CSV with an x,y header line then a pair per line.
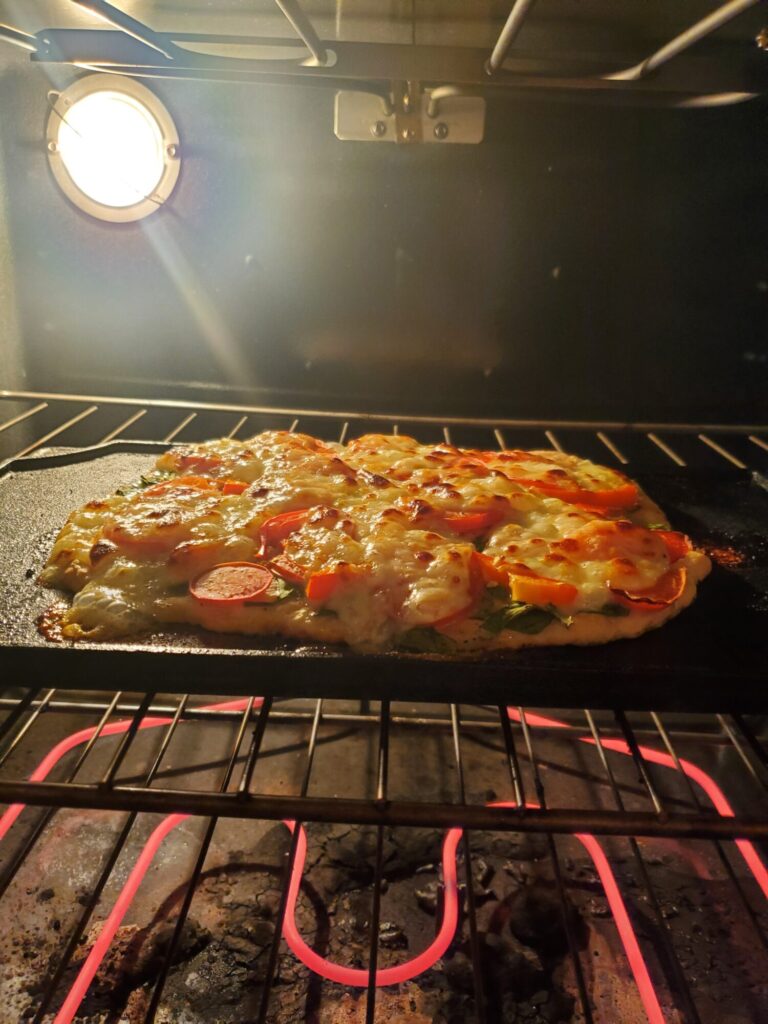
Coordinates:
x,y
86,86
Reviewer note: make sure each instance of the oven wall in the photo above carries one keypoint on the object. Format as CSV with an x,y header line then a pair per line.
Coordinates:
x,y
11,357
583,261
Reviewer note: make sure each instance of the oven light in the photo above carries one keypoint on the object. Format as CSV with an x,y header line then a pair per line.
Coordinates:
x,y
113,147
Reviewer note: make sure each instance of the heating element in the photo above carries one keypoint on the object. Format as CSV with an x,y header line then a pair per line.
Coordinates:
x,y
696,767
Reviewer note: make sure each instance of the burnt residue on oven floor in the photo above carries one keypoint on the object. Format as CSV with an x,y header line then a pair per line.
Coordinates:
x,y
220,963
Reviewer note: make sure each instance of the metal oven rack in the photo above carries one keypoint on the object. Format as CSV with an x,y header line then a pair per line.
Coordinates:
x,y
675,806
32,420
726,73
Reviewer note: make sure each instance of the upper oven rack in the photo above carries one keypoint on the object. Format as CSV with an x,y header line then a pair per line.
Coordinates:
x,y
31,420
713,75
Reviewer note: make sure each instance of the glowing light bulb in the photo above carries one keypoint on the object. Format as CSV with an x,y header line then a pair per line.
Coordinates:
x,y
112,148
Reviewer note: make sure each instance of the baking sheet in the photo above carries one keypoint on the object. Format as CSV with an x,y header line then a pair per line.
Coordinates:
x,y
712,657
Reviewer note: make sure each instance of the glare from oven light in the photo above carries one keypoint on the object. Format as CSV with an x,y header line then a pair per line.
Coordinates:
x,y
112,148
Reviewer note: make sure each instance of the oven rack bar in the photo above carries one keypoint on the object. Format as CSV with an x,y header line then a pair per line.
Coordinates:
x,y
231,796
30,420
347,414
408,814
662,818
709,732
689,37
725,73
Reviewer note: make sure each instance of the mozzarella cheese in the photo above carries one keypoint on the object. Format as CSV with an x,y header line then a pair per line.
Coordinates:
x,y
396,524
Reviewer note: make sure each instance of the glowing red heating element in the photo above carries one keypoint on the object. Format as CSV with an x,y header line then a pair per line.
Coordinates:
x,y
421,962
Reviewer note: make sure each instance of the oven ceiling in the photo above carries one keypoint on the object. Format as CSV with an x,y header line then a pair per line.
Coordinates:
x,y
621,26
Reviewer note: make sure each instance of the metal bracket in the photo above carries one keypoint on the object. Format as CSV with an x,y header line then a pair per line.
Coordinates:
x,y
441,115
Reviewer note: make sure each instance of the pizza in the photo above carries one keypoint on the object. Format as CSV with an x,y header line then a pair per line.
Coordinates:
x,y
380,544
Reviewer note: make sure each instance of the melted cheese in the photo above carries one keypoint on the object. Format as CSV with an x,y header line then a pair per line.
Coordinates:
x,y
386,505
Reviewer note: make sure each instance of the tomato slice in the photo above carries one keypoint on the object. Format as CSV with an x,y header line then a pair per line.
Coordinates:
x,y
490,573
623,496
202,483
232,486
467,522
198,462
321,586
664,592
542,591
677,544
276,529
290,571
232,583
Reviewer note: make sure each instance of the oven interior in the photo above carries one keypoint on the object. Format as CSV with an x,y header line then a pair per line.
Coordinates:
x,y
589,277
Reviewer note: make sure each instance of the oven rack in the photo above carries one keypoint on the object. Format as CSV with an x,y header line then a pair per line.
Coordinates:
x,y
737,747
33,420
725,73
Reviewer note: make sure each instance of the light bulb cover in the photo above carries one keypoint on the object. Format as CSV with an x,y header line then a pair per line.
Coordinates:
x,y
113,147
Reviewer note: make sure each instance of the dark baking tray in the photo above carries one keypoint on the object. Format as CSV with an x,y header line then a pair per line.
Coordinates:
x,y
713,657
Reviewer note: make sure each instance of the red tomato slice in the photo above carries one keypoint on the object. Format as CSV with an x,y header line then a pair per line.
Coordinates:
x,y
231,486
322,586
276,529
677,544
198,462
290,571
623,496
488,570
662,594
541,591
467,522
232,583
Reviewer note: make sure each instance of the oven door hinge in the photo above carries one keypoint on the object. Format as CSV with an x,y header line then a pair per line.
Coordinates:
x,y
443,114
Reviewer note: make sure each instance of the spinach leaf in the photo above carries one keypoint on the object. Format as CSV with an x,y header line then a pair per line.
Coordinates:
x,y
489,602
281,590
278,591
520,617
146,480
611,609
425,640
566,620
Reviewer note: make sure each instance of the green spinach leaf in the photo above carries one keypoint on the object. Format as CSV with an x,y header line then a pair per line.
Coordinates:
x,y
425,640
520,617
611,609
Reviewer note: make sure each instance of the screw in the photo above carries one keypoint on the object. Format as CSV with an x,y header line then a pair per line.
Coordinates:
x,y
378,129
52,147
441,130
408,134
172,150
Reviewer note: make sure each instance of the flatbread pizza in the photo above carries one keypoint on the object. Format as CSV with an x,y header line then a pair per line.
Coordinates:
x,y
380,544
